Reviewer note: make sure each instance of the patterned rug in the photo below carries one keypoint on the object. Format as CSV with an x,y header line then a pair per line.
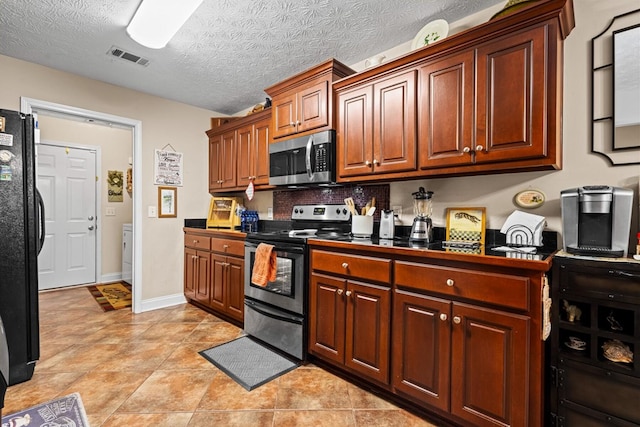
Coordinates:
x,y
65,411
247,362
112,296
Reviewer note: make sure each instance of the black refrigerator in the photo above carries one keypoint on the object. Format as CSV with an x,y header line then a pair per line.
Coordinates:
x,y
21,238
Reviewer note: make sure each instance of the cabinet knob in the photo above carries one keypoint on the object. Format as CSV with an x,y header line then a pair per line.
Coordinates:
x,y
297,122
348,293
194,257
443,317
466,150
450,282
195,241
375,162
340,291
292,124
367,163
225,247
345,265
479,148
457,320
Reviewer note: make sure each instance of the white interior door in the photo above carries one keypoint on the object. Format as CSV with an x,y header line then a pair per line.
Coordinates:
x,y
67,182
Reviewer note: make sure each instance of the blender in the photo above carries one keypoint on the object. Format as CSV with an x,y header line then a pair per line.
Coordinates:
x,y
422,228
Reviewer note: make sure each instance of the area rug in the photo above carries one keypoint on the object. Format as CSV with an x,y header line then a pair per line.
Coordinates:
x,y
248,363
66,411
113,296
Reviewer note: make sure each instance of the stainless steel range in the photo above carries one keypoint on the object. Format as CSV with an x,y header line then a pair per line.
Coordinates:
x,y
277,312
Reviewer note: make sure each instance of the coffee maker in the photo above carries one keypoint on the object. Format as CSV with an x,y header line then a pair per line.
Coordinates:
x,y
422,228
596,220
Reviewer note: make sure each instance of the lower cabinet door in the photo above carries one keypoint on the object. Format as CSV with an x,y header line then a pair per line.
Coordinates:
x,y
421,348
489,371
219,275
327,317
235,288
368,330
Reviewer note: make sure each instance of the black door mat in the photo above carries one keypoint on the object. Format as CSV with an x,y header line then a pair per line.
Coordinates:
x,y
247,362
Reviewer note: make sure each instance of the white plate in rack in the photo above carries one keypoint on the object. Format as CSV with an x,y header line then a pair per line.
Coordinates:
x,y
432,32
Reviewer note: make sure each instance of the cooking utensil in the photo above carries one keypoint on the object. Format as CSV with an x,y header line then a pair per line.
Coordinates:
x,y
351,205
371,211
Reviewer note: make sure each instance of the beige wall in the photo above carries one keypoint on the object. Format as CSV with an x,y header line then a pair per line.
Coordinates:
x,y
116,150
163,122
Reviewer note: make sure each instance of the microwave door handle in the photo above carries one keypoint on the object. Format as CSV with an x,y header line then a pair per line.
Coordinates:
x,y
308,156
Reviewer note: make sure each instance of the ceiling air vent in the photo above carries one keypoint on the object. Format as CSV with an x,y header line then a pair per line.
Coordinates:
x,y
127,56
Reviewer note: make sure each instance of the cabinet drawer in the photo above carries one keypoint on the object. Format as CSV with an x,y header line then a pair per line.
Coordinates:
x,y
197,241
361,267
492,288
611,282
229,247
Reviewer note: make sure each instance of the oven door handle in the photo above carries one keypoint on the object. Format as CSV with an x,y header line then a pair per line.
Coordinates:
x,y
269,312
277,247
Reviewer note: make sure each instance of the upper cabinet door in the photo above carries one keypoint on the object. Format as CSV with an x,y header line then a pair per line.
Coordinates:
x,y
227,160
446,111
215,149
284,112
511,93
394,123
313,110
245,160
261,139
355,132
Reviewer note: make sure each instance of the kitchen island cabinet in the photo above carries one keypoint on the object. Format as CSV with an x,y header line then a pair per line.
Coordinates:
x,y
214,272
489,100
304,103
466,343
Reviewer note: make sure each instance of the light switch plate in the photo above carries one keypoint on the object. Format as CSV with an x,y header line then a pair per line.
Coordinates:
x,y
153,212
110,212
269,213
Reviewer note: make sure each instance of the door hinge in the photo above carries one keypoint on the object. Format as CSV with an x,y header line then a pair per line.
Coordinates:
x,y
556,421
557,377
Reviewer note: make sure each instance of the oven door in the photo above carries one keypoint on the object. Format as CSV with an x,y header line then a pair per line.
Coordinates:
x,y
287,290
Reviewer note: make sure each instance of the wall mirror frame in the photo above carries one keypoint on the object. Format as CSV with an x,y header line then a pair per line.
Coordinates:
x,y
616,136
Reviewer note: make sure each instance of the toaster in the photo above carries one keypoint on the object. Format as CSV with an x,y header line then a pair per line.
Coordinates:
x,y
387,224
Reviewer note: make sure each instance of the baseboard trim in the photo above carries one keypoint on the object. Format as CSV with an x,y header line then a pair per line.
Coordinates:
x,y
162,302
110,278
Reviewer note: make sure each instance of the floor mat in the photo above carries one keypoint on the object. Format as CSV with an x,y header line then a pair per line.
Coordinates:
x,y
112,296
247,362
64,411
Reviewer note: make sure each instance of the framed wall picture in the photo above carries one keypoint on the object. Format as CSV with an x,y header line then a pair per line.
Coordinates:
x,y
167,202
466,224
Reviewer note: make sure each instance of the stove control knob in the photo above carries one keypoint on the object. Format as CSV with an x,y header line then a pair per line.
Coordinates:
x,y
301,210
295,210
344,211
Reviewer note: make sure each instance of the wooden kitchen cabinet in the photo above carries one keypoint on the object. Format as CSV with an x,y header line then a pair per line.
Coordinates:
x,y
227,277
239,153
197,271
350,318
214,272
304,102
376,124
488,100
478,369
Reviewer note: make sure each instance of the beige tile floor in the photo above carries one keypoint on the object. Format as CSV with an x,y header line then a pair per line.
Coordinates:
x,y
145,370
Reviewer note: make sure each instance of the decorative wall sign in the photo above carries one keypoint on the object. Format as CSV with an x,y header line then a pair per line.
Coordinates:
x,y
529,199
114,186
167,168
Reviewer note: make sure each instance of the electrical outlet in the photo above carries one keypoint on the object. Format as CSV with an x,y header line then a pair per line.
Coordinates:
x,y
152,212
397,210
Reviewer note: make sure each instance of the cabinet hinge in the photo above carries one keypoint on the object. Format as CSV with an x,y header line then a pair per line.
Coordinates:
x,y
557,376
556,421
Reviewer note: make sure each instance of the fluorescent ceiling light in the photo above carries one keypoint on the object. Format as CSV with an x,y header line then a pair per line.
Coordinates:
x,y
157,21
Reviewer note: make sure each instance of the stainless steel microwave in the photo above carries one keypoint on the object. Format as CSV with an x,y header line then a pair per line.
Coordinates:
x,y
303,160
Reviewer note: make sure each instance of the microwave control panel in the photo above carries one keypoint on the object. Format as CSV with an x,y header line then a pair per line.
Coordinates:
x,y
322,163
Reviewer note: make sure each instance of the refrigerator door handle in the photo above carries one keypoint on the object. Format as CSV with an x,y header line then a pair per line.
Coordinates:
x,y
41,220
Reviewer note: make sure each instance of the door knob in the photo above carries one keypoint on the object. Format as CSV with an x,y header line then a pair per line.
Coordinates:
x,y
90,227
90,218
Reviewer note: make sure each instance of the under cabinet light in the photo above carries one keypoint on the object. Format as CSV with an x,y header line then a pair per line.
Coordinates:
x,y
157,21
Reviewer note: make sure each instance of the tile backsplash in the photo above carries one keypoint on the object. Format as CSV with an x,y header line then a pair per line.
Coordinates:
x,y
284,200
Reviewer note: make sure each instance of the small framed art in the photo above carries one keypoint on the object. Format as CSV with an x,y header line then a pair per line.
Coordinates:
x,y
167,202
466,224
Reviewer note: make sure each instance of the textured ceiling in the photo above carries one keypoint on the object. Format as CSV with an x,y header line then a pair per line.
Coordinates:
x,y
227,52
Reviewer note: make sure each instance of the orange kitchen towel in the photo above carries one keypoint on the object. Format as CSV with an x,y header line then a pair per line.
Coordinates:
x,y
264,266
